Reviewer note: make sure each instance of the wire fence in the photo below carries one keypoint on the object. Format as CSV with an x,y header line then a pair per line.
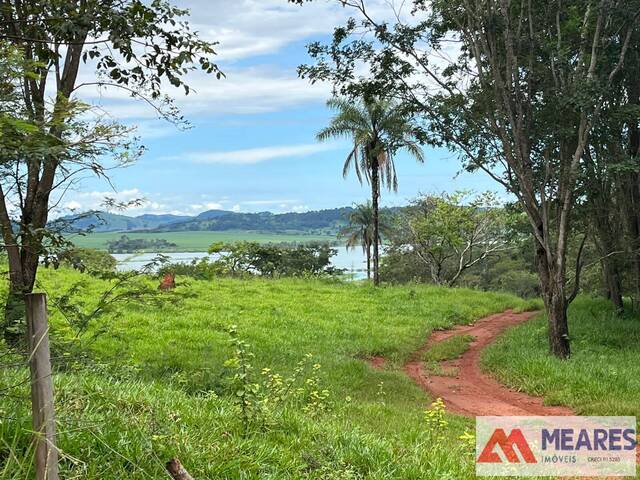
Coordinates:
x,y
19,440
16,448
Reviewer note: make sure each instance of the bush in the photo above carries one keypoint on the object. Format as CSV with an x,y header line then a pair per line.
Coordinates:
x,y
522,283
268,260
87,260
202,269
273,260
129,245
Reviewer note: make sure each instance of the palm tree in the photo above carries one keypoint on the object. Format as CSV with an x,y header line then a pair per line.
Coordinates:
x,y
359,230
378,129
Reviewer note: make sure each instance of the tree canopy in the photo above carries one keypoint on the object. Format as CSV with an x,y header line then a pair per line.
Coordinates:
x,y
515,88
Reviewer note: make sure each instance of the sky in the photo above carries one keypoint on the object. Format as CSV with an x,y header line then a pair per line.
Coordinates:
x,y
251,146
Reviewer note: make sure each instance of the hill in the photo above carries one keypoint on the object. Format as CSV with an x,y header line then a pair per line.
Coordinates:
x,y
319,222
316,222
98,221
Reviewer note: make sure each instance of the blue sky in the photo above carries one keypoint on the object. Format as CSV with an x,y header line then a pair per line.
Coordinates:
x,y
252,143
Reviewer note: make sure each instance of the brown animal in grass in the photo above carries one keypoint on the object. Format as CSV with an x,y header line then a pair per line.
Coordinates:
x,y
168,282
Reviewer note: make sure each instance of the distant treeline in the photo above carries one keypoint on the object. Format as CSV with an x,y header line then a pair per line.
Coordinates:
x,y
319,222
326,222
125,244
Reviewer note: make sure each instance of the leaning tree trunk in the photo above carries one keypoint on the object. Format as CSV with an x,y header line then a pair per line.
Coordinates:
x,y
555,302
375,194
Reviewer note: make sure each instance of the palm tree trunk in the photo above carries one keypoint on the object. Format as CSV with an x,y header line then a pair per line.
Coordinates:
x,y
368,261
375,194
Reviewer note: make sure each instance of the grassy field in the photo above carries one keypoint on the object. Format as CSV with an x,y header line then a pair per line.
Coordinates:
x,y
195,241
601,378
155,384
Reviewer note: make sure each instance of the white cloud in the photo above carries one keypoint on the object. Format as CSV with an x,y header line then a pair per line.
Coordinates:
x,y
247,28
73,205
249,90
179,204
214,206
256,155
244,29
281,203
75,201
299,208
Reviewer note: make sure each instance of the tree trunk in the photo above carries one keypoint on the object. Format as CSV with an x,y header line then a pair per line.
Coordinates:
x,y
633,226
368,262
605,218
375,194
613,283
631,180
558,326
555,302
14,324
23,268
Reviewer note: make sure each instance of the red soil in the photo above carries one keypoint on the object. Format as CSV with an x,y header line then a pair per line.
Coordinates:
x,y
471,392
377,362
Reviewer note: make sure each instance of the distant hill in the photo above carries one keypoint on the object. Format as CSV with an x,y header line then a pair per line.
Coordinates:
x,y
209,214
315,222
97,221
148,221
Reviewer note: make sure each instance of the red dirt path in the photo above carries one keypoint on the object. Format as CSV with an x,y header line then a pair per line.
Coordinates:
x,y
471,392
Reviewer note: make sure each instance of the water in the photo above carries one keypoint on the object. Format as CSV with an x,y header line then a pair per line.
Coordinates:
x,y
353,261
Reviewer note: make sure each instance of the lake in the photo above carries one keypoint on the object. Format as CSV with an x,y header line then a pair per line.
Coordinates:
x,y
353,261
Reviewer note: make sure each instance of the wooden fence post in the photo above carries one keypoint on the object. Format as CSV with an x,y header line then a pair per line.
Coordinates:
x,y
177,471
42,407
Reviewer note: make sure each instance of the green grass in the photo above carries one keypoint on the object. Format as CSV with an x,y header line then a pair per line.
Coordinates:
x,y
449,349
195,241
156,387
602,376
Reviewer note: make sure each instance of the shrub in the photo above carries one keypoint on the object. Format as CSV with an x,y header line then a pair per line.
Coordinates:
x,y
125,244
87,260
240,259
273,260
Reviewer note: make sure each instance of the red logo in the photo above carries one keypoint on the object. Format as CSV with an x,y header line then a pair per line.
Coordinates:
x,y
506,444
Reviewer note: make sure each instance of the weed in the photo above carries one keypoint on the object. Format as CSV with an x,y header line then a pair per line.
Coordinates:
x,y
449,349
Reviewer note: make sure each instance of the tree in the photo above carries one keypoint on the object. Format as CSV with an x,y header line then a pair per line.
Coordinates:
x,y
379,129
129,45
269,260
452,233
611,183
359,230
518,100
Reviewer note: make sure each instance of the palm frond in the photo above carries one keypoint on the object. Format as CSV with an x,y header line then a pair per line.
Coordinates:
x,y
378,129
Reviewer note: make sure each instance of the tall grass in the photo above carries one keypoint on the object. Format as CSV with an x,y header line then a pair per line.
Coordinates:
x,y
154,385
602,377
